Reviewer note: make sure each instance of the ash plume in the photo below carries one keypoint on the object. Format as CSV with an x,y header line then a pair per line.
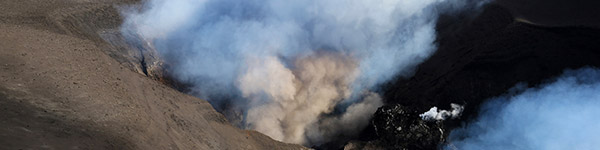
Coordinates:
x,y
298,96
559,115
297,71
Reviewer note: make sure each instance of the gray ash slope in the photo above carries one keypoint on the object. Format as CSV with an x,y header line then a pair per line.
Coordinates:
x,y
63,87
477,59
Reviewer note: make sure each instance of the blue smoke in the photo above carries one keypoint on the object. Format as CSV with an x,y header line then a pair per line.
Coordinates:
x,y
564,114
209,40
288,63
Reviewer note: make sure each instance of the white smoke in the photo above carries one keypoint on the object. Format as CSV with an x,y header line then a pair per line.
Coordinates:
x,y
289,65
433,113
559,115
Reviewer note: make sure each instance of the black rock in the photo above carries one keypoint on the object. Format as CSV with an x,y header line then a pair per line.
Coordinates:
x,y
400,127
477,58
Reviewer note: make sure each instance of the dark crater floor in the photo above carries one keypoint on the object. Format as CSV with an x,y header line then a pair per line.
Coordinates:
x,y
477,58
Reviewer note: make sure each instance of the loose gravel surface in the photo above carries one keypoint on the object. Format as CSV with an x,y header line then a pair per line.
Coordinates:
x,y
60,89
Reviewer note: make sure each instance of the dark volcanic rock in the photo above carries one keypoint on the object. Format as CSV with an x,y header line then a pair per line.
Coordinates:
x,y
401,127
477,59
556,12
488,56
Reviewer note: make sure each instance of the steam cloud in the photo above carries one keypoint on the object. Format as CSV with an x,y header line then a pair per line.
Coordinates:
x,y
433,113
559,115
298,71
